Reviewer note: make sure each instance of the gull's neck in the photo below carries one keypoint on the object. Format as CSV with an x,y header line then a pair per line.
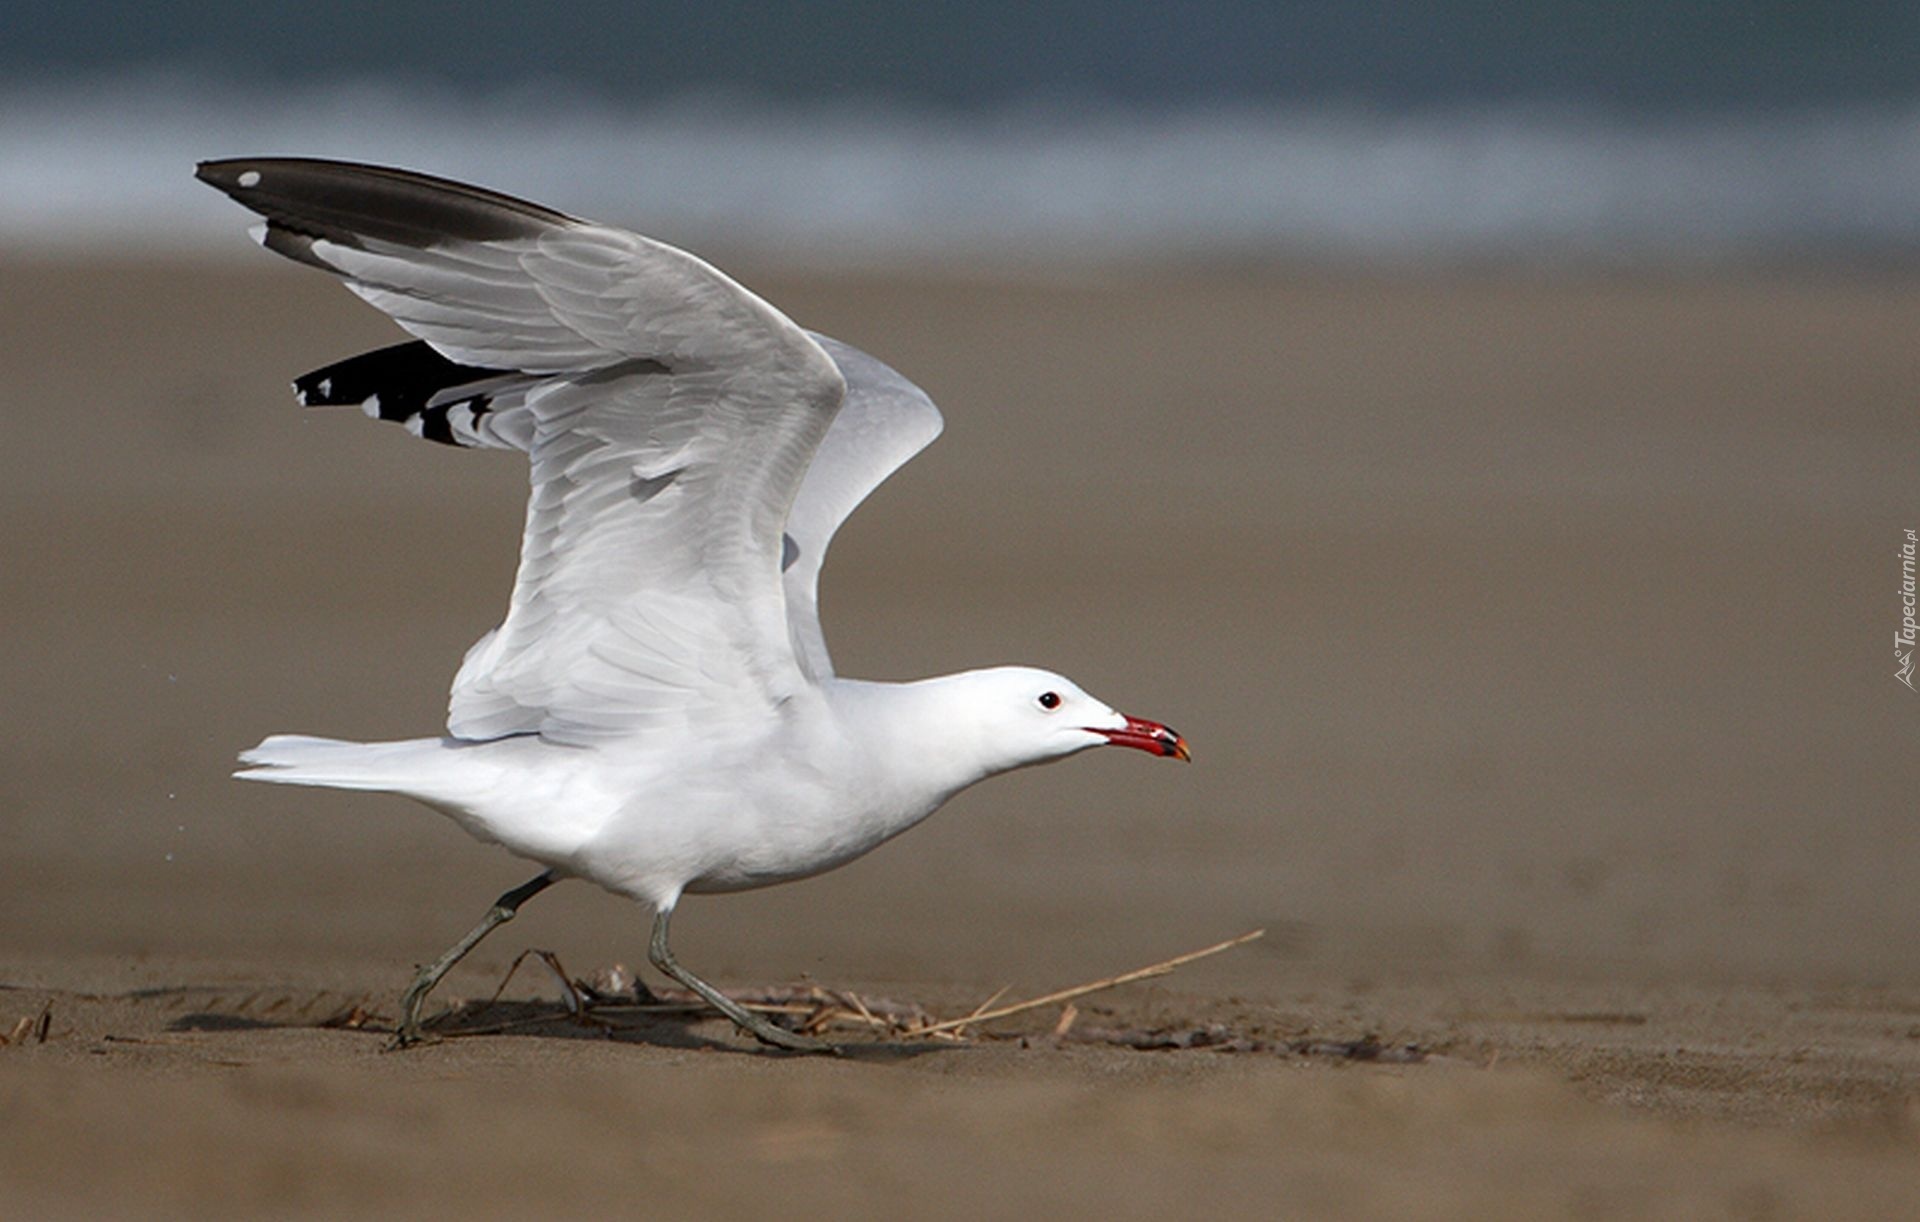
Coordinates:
x,y
919,742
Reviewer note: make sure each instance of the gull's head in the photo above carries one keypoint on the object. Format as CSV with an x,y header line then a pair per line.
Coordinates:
x,y
1019,715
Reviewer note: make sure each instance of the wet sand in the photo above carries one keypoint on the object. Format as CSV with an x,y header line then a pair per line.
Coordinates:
x,y
1533,636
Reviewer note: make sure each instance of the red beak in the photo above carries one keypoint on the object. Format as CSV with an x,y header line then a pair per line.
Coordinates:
x,y
1148,736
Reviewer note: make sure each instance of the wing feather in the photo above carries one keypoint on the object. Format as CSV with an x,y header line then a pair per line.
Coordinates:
x,y
672,421
884,421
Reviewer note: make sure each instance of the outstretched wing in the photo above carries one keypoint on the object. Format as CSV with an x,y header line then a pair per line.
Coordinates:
x,y
670,416
884,421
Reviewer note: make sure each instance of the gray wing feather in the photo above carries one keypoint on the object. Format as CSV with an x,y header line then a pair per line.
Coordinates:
x,y
883,421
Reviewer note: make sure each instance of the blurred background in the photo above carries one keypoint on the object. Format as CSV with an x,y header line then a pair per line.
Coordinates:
x,y
1222,130
1486,432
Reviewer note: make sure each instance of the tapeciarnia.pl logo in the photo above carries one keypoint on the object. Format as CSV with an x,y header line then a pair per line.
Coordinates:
x,y
1903,639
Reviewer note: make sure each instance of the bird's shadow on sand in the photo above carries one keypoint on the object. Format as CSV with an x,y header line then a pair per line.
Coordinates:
x,y
513,1019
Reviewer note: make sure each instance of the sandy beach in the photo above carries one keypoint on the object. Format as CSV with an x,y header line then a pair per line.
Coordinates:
x,y
1532,633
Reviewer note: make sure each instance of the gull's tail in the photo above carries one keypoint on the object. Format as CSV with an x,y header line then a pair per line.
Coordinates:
x,y
298,759
471,782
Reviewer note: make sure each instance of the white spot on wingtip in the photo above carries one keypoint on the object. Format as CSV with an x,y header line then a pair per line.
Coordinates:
x,y
249,178
371,406
325,388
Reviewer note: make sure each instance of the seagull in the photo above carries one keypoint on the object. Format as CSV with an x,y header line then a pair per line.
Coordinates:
x,y
657,713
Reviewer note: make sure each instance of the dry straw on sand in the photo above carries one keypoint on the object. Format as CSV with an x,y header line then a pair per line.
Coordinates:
x,y
813,1009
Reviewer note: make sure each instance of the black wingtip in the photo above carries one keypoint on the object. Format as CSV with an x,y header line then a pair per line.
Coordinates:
x,y
235,176
404,375
215,173
328,198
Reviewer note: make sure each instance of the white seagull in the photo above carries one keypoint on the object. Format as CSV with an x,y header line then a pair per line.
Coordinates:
x,y
657,713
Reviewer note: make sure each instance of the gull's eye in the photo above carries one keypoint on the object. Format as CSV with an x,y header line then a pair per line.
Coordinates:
x,y
1049,700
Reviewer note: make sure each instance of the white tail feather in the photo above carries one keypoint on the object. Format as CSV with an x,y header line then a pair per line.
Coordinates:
x,y
299,759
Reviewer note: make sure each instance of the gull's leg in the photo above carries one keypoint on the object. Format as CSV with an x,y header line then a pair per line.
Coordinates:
x,y
409,1031
753,1024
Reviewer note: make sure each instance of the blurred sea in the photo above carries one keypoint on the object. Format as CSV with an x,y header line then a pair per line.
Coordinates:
x,y
1008,133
